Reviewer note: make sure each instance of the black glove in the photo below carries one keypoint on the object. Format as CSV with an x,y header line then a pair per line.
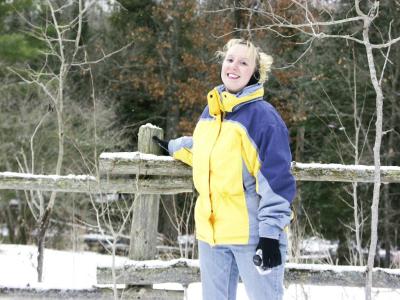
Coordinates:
x,y
271,255
163,144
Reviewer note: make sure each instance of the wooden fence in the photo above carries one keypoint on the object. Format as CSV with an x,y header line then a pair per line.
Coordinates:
x,y
186,271
150,175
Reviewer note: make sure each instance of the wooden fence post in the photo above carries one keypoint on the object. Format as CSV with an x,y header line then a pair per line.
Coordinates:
x,y
146,207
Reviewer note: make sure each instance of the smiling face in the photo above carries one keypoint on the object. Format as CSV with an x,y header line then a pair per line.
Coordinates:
x,y
237,68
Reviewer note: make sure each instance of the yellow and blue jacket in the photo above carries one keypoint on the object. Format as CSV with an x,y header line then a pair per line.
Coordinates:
x,y
241,168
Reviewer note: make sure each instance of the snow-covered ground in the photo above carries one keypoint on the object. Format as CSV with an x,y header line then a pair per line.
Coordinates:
x,y
69,270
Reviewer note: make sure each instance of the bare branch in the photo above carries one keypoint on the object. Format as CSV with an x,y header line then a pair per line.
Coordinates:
x,y
298,59
66,5
385,45
312,23
105,56
82,11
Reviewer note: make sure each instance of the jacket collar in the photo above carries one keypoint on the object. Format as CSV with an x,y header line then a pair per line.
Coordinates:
x,y
219,100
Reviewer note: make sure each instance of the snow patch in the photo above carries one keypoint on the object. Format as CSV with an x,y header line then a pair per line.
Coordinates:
x,y
342,167
133,156
318,245
41,176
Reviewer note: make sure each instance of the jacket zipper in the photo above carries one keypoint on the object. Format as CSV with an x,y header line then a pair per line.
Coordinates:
x,y
219,119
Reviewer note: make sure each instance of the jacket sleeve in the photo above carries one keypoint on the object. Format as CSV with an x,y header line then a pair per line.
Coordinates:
x,y
275,183
181,149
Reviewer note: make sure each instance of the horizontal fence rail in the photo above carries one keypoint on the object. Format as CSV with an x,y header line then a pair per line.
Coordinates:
x,y
343,173
186,271
118,163
95,293
119,173
90,184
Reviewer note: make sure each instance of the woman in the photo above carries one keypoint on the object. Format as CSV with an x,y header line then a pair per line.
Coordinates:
x,y
241,169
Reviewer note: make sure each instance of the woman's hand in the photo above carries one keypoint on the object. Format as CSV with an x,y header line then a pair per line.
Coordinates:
x,y
162,143
271,255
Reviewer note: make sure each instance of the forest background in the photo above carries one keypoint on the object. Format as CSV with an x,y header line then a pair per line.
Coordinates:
x,y
153,61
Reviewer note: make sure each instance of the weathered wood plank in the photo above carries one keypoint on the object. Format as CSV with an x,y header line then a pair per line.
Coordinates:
x,y
89,184
186,271
343,173
144,273
340,275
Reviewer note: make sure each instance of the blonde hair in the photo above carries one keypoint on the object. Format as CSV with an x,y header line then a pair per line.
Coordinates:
x,y
263,60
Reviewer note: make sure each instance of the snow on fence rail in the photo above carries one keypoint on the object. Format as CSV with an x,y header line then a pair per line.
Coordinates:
x,y
186,271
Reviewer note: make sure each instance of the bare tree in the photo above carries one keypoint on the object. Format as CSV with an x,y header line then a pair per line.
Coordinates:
x,y
52,82
64,51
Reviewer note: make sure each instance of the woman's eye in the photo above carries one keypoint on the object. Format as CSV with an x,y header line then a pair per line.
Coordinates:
x,y
229,60
244,63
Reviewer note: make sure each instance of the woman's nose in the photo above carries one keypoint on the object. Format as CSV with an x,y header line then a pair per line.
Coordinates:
x,y
235,65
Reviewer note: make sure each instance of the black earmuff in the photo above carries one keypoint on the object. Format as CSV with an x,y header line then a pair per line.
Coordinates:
x,y
254,78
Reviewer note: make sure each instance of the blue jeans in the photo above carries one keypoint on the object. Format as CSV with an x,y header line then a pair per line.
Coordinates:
x,y
221,265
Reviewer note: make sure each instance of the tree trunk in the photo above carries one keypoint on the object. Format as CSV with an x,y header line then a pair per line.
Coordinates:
x,y
377,147
58,99
41,240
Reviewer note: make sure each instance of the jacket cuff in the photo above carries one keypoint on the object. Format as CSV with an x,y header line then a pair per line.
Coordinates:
x,y
179,143
268,231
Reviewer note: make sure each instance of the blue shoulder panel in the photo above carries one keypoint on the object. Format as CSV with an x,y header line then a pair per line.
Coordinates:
x,y
269,135
206,114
